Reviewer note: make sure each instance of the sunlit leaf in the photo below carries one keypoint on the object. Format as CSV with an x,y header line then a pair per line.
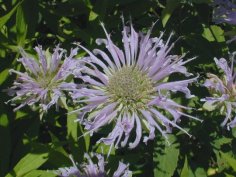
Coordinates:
x,y
28,163
166,159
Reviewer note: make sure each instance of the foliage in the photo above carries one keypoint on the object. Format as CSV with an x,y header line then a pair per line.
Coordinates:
x,y
32,147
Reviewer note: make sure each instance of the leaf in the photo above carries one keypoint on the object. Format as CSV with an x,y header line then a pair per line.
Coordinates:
x,y
209,106
167,12
5,144
40,173
234,132
28,163
214,33
200,172
92,15
166,159
77,141
228,175
185,170
229,159
5,18
21,26
3,75
221,141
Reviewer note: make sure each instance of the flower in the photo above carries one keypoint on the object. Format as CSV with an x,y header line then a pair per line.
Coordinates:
x,y
131,87
91,169
224,12
223,92
45,80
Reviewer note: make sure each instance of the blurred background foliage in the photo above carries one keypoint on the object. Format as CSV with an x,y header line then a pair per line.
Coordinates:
x,y
30,147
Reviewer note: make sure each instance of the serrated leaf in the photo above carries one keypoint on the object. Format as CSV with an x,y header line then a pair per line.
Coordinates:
x,y
229,159
166,159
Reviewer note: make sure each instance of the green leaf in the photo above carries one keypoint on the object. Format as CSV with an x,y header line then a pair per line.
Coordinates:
x,y
185,170
221,141
167,12
5,144
40,173
28,163
77,141
166,158
21,26
228,175
214,33
234,132
92,15
5,18
3,75
209,106
229,159
200,172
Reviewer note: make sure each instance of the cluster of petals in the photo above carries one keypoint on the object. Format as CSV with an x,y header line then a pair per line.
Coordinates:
x,y
223,91
91,169
151,57
45,79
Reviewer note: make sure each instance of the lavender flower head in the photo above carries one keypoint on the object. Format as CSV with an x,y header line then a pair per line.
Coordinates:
x,y
45,79
223,92
224,12
91,169
131,87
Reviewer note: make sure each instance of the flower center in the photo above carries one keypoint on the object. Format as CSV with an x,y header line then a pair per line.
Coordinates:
x,y
131,87
46,81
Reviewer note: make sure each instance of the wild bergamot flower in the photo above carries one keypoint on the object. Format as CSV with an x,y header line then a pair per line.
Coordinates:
x,y
45,79
223,92
131,87
91,169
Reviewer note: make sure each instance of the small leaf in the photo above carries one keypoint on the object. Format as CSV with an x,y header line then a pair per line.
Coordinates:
x,y
28,163
185,170
167,12
92,15
214,33
209,106
229,159
5,18
3,75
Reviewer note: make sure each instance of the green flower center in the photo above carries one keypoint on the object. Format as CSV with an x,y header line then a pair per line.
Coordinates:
x,y
131,87
46,81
